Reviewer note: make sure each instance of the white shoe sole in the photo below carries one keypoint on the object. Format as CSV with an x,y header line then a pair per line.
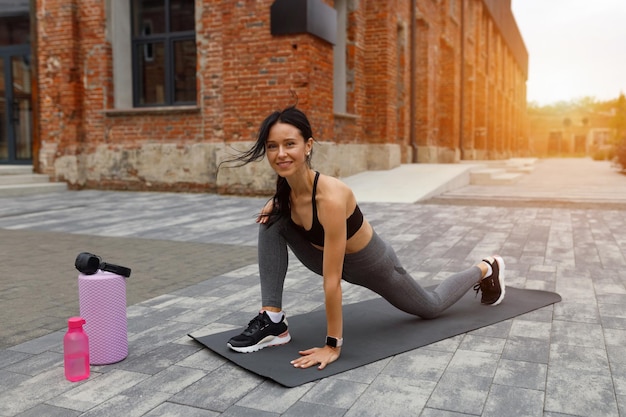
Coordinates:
x,y
501,268
267,342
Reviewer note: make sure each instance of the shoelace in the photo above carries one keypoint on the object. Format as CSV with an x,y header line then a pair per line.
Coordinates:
x,y
480,285
477,288
254,325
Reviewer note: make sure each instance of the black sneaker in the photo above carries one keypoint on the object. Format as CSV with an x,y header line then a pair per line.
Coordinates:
x,y
492,287
261,332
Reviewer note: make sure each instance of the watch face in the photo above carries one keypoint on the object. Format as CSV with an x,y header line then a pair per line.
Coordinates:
x,y
332,341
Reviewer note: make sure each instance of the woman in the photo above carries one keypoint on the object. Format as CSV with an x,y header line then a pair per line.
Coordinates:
x,y
318,217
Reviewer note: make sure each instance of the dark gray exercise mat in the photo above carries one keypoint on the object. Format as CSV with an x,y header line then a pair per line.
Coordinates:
x,y
373,330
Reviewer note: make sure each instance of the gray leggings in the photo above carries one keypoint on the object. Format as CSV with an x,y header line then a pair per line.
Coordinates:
x,y
375,267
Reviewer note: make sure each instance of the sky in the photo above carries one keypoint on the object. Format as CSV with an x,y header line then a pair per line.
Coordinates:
x,y
576,48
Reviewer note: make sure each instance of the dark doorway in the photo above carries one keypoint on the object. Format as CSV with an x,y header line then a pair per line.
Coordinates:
x,y
16,119
15,106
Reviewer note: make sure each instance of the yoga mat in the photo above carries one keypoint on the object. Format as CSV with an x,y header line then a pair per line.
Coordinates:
x,y
373,330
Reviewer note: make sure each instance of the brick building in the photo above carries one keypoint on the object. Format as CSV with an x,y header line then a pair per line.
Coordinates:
x,y
147,94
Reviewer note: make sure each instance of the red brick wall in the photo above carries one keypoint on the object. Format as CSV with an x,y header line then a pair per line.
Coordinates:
x,y
259,71
243,73
60,83
381,71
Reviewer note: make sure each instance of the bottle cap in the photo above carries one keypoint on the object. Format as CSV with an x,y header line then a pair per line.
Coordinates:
x,y
75,322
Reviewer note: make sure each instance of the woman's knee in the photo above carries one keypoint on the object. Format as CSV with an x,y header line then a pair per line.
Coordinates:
x,y
429,315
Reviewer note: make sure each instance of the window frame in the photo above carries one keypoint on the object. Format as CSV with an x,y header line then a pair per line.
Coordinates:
x,y
139,44
340,65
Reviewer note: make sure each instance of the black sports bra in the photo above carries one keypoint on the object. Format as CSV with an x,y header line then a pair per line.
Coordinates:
x,y
316,234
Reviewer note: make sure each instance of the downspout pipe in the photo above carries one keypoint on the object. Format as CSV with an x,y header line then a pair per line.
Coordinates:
x,y
462,89
34,46
412,82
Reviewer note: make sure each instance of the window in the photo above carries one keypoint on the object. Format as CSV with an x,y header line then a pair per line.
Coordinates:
x,y
164,52
14,30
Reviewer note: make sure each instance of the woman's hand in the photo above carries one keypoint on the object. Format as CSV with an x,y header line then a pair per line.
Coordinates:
x,y
322,356
264,215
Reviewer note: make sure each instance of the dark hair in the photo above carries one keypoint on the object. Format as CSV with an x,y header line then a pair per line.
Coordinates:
x,y
295,117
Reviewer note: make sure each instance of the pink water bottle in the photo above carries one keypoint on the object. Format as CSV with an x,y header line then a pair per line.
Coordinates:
x,y
76,350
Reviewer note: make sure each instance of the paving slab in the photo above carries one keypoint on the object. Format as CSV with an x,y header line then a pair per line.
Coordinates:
x,y
194,270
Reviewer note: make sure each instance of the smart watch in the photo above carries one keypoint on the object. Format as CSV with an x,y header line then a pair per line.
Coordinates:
x,y
334,342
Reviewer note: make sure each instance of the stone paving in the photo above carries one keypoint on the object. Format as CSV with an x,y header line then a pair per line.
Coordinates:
x,y
194,270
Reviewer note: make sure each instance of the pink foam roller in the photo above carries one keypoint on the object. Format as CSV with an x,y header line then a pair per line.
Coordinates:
x,y
102,299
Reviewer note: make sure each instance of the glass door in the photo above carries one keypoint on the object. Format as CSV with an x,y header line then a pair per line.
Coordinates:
x,y
15,105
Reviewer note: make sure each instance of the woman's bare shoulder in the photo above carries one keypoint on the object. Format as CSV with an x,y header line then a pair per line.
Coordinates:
x,y
334,183
334,188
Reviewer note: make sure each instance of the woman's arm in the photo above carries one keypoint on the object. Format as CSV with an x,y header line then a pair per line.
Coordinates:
x,y
334,253
267,209
332,215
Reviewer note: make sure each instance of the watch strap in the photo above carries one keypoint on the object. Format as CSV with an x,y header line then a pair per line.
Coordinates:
x,y
334,342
